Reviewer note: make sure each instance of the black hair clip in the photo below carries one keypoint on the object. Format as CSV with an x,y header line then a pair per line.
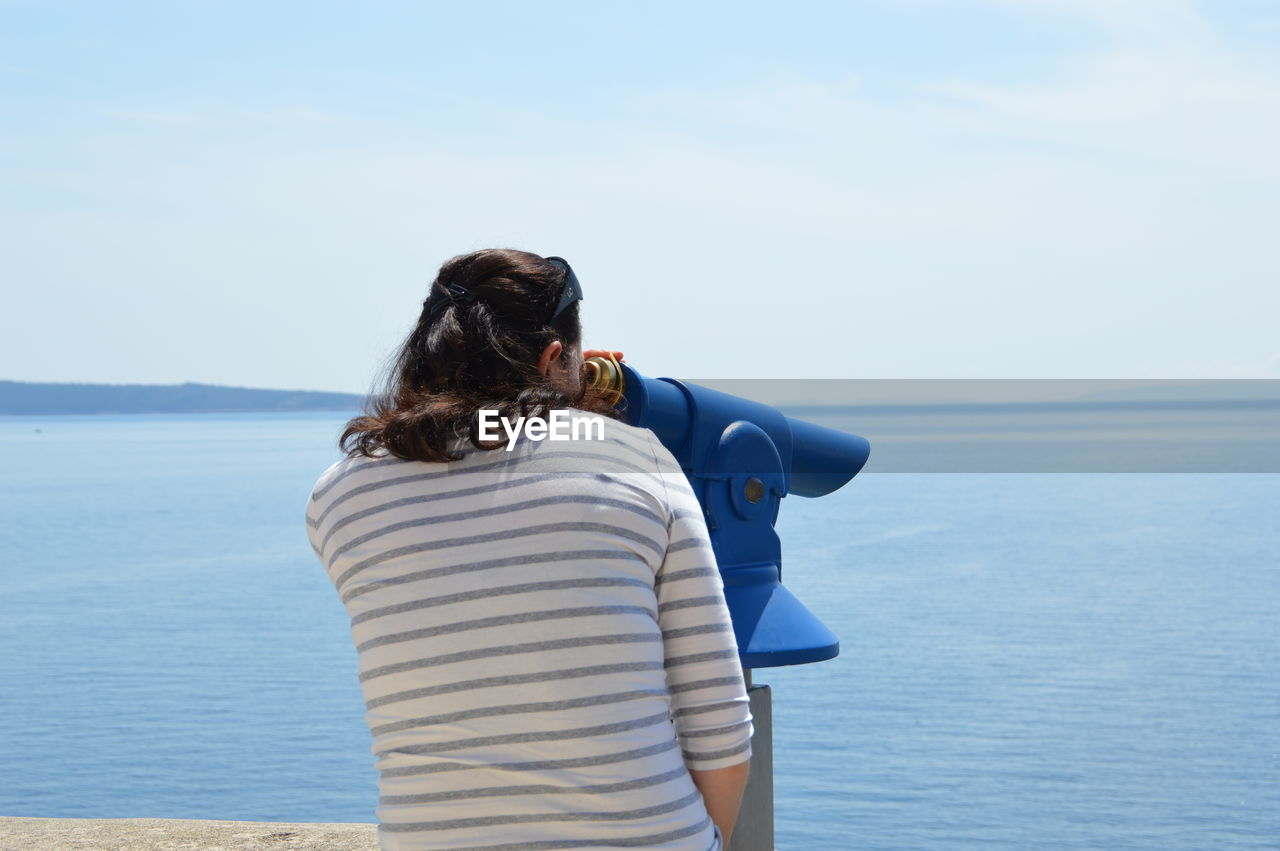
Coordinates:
x,y
454,294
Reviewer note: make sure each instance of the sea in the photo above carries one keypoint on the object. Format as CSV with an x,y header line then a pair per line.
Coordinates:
x,y
1028,660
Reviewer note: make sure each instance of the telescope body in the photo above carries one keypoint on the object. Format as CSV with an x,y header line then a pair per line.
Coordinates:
x,y
741,458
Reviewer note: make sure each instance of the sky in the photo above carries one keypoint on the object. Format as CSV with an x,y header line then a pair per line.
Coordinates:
x,y
260,194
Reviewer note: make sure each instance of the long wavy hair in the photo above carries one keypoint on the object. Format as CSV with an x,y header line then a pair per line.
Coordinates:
x,y
478,355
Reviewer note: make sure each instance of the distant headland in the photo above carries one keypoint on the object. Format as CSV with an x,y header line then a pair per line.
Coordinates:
x,y
19,398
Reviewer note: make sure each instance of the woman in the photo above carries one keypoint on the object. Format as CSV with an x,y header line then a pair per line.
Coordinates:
x,y
545,652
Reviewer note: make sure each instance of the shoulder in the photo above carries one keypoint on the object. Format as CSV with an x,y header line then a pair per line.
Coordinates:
x,y
329,477
644,441
347,471
632,444
635,436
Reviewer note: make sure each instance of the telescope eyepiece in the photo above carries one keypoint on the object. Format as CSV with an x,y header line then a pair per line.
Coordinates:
x,y
604,375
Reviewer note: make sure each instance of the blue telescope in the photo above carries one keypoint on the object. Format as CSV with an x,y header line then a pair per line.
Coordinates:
x,y
741,458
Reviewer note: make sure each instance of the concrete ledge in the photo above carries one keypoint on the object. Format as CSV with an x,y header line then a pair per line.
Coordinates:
x,y
145,834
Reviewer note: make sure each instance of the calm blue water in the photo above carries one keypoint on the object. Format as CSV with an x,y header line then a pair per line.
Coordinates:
x,y
1028,661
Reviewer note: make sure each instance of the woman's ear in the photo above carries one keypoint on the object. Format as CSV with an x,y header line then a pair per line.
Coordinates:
x,y
549,354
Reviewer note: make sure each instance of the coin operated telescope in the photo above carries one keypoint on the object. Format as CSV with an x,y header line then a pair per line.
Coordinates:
x,y
741,458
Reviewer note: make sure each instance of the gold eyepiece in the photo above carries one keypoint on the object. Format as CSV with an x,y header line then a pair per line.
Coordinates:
x,y
604,375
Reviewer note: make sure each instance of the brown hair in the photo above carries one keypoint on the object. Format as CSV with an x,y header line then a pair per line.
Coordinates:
x,y
481,354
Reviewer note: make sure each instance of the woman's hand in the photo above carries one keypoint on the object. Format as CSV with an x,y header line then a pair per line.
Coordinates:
x,y
600,353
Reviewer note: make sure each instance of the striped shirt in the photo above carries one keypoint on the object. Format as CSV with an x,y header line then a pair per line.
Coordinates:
x,y
544,645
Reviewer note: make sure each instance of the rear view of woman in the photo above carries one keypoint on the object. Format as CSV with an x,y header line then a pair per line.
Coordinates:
x,y
545,653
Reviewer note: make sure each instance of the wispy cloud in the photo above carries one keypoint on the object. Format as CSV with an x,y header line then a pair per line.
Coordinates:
x,y
219,116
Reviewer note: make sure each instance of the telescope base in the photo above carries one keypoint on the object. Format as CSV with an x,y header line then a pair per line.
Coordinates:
x,y
754,828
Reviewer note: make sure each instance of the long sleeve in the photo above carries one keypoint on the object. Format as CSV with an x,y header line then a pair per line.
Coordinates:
x,y
709,700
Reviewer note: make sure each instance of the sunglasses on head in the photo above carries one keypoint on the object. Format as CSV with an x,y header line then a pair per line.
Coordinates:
x,y
571,292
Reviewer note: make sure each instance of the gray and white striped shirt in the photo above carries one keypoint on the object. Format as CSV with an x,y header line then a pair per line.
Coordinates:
x,y
543,640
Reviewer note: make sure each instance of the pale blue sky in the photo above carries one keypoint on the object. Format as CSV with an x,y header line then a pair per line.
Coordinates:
x,y
258,194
